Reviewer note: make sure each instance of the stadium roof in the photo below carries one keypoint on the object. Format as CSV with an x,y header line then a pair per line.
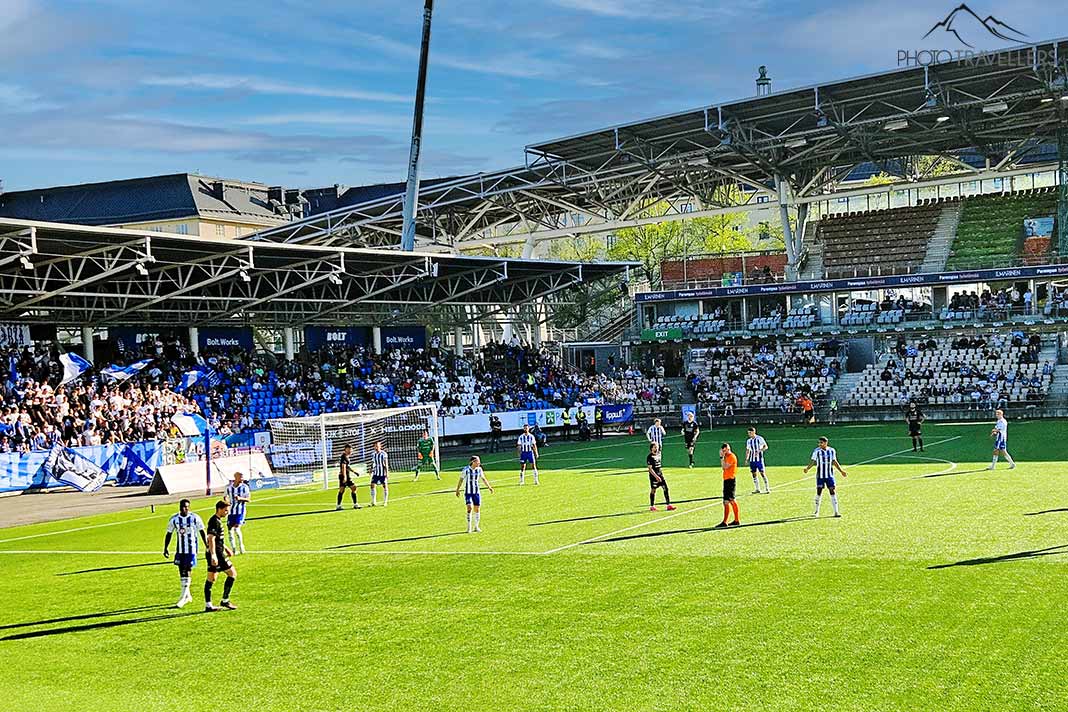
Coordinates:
x,y
83,275
1001,108
140,200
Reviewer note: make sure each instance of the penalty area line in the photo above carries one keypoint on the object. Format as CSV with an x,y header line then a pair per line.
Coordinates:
x,y
279,552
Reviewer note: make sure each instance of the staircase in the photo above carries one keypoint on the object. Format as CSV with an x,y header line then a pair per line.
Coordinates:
x,y
813,268
1058,389
613,330
846,384
942,240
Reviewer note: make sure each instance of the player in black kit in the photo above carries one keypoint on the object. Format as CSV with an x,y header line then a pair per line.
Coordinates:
x,y
656,478
690,431
914,417
344,478
219,558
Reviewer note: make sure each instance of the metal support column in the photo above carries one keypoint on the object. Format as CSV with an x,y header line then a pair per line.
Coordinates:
x,y
288,340
88,350
458,332
194,341
376,339
411,195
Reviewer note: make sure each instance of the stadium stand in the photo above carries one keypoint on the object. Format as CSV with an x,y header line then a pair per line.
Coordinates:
x,y
966,372
992,226
765,376
879,242
693,326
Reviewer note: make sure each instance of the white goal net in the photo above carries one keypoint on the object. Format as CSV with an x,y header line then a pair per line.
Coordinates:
x,y
307,450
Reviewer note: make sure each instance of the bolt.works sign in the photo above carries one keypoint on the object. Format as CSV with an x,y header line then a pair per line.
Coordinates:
x,y
225,339
404,337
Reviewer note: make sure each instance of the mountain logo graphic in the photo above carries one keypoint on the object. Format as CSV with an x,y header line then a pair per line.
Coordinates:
x,y
963,20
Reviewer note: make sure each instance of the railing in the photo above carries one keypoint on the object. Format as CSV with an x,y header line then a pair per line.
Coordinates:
x,y
877,270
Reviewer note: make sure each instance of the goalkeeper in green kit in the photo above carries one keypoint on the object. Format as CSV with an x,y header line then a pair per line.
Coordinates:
x,y
425,449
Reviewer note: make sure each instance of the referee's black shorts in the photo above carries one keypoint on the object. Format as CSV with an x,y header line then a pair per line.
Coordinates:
x,y
728,489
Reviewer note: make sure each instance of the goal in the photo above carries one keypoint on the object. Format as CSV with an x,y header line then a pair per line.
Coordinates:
x,y
307,450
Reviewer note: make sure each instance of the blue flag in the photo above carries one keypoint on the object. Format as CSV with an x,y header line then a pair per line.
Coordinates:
x,y
201,375
73,366
72,468
115,372
190,424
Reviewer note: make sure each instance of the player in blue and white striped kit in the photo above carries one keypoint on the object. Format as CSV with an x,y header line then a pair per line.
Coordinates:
x,y
655,434
1000,433
379,474
187,526
238,494
755,446
471,479
526,446
825,460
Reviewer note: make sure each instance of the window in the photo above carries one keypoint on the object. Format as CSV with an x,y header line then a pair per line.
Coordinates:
x,y
220,231
182,229
762,199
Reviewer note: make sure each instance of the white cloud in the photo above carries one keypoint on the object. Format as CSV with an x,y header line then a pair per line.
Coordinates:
x,y
222,82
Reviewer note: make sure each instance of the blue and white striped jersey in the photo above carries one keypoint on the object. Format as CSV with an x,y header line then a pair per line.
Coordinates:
x,y
379,462
472,477
655,434
754,449
1002,426
526,442
187,528
823,459
237,508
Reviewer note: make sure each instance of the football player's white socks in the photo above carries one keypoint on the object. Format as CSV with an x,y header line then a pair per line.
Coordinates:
x,y
767,487
240,540
185,585
469,522
535,475
994,462
1008,459
834,502
817,505
522,476
385,495
230,537
374,496
756,483
478,519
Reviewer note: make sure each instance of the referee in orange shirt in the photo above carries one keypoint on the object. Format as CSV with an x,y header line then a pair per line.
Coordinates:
x,y
729,462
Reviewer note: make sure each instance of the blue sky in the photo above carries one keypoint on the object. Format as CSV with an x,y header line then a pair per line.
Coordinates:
x,y
316,93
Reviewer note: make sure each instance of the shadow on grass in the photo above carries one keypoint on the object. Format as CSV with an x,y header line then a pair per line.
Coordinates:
x,y
115,568
1018,556
954,473
295,514
97,626
589,518
1046,511
84,616
701,530
394,541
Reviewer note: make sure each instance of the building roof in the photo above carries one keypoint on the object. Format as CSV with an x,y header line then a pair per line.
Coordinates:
x,y
78,274
137,200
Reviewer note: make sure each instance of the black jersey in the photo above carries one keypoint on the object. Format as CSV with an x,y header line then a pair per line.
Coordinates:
x,y
653,461
344,473
215,528
913,414
690,429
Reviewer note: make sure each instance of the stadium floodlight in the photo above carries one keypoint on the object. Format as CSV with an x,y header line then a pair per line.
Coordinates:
x,y
141,269
244,276
796,143
896,125
335,278
1047,100
996,108
942,119
26,264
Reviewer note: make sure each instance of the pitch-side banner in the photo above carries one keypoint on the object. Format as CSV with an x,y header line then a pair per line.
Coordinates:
x,y
617,413
510,422
74,469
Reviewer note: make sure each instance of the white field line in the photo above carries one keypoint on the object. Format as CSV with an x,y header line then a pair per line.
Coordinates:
x,y
849,485
79,529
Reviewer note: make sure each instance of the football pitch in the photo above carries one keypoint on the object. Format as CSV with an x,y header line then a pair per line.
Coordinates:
x,y
942,587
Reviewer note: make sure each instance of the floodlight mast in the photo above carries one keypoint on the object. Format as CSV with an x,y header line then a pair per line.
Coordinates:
x,y
411,193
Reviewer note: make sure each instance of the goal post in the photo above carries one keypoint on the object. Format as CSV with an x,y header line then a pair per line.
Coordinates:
x,y
307,450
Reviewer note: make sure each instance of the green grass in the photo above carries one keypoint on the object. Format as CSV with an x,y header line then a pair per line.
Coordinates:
x,y
941,588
